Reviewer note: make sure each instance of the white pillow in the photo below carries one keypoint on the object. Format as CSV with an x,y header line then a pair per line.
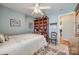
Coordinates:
x,y
2,38
6,37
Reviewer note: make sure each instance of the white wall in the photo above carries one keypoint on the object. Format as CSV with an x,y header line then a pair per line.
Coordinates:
x,y
7,14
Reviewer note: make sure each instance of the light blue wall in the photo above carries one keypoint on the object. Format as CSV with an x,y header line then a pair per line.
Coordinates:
x,y
53,19
5,16
27,21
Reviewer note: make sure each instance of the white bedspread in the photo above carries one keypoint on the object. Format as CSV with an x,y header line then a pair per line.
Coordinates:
x,y
25,44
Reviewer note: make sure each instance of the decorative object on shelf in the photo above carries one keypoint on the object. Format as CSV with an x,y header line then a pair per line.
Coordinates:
x,y
15,23
41,27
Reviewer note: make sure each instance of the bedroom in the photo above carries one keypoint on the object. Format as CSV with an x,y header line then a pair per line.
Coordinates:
x,y
18,23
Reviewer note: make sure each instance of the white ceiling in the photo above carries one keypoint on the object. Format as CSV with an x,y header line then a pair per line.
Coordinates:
x,y
55,7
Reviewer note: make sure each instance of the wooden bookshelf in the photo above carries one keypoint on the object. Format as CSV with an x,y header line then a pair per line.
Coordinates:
x,y
41,26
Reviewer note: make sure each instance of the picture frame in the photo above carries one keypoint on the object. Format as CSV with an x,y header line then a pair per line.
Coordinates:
x,y
30,25
15,23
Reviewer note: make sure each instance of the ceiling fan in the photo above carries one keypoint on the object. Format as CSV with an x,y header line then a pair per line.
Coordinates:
x,y
37,9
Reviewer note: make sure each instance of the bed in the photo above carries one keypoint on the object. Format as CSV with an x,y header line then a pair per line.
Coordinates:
x,y
24,44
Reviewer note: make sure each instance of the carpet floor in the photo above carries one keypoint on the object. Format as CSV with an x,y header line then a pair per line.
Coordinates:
x,y
49,51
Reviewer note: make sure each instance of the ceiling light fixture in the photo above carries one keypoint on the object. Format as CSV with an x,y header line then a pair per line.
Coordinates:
x,y
37,9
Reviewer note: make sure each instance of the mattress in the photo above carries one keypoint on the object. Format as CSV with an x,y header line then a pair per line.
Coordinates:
x,y
24,44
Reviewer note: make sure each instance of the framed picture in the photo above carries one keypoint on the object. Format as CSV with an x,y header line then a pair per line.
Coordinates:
x,y
30,25
15,23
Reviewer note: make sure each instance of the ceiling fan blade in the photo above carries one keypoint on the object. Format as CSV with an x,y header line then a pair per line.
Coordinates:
x,y
46,7
35,11
40,12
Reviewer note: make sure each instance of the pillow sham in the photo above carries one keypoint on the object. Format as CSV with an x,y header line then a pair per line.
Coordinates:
x,y
2,38
6,37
